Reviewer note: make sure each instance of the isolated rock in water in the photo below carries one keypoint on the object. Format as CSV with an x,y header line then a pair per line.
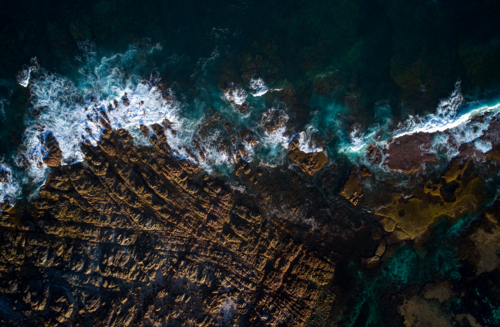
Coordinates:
x,y
274,119
309,163
243,108
4,175
53,156
409,152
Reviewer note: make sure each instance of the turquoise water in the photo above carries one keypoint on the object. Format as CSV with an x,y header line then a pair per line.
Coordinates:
x,y
343,74
207,115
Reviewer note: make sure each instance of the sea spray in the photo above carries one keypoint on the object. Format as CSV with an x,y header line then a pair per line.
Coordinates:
x,y
9,186
117,90
258,87
483,145
454,123
235,94
23,76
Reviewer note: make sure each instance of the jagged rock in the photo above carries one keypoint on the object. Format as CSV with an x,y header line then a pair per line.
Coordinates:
x,y
136,245
274,119
309,163
352,190
53,156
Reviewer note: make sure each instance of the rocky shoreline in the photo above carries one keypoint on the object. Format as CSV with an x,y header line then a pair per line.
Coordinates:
x,y
136,235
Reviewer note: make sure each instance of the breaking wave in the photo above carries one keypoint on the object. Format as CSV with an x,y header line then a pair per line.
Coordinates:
x,y
258,86
454,123
116,90
9,187
235,94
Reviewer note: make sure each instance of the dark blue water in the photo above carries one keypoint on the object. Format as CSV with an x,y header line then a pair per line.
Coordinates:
x,y
344,73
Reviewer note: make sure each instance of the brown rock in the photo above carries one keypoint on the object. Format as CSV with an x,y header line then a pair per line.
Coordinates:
x,y
352,190
53,155
137,236
409,152
274,119
243,108
309,163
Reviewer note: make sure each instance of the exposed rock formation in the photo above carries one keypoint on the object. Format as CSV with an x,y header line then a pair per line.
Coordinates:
x,y
409,152
309,163
53,155
352,190
274,119
454,195
139,237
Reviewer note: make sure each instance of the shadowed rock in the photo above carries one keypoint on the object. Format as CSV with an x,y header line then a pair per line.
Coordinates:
x,y
53,155
137,236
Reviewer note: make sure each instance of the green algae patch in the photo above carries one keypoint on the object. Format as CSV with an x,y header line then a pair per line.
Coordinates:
x,y
452,197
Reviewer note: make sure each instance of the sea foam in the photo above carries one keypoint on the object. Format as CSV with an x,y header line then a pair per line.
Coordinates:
x,y
110,89
9,185
258,87
23,77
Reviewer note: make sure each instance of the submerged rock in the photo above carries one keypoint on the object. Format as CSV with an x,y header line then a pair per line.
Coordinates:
x,y
352,190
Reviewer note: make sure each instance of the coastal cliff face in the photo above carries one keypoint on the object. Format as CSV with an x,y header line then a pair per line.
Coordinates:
x,y
135,236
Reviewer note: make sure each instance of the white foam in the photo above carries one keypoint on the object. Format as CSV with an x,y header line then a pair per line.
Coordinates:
x,y
358,141
235,94
483,145
258,86
23,77
277,136
9,185
454,123
69,110
447,117
306,143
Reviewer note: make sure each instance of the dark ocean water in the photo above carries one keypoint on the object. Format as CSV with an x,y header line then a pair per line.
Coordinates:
x,y
346,66
351,53
344,72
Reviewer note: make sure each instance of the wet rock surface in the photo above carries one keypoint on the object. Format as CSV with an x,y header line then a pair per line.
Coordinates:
x,y
409,152
352,189
309,163
137,237
274,119
456,194
53,154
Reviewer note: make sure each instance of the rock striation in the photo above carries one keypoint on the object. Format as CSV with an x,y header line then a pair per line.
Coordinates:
x,y
137,237
53,154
